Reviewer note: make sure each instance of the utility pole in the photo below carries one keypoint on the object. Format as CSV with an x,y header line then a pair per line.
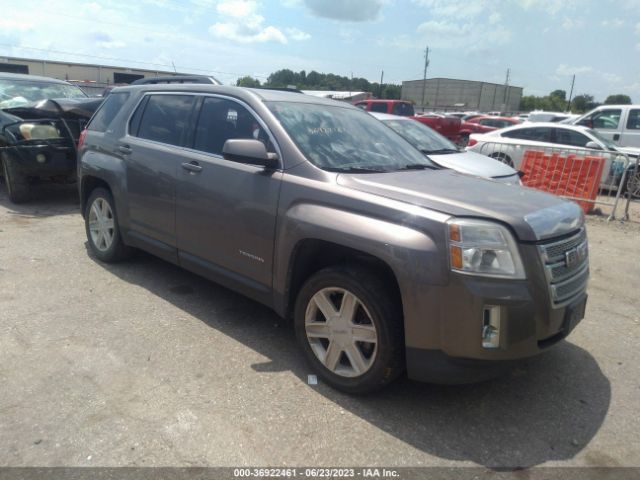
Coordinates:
x,y
573,81
381,79
506,90
424,77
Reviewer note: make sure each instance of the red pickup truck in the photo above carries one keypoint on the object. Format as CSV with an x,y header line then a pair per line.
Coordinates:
x,y
443,124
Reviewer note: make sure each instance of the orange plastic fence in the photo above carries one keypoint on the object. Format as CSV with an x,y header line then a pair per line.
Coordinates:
x,y
569,176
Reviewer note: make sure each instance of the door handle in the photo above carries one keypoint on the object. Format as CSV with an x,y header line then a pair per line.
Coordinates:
x,y
193,167
616,137
126,149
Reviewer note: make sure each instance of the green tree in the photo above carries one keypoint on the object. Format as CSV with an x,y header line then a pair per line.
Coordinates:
x,y
248,81
618,99
582,103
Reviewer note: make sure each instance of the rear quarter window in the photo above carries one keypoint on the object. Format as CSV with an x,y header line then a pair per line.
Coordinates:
x,y
379,107
107,112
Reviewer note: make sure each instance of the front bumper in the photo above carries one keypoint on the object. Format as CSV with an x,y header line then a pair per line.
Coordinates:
x,y
445,329
43,160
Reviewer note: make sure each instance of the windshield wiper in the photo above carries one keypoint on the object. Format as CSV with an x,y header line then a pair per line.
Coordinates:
x,y
356,169
418,166
440,150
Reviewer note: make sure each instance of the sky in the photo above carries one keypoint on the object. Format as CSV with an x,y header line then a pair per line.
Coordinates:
x,y
542,42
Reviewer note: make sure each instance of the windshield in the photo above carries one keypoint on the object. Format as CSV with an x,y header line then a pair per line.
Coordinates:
x,y
15,93
345,139
421,136
607,143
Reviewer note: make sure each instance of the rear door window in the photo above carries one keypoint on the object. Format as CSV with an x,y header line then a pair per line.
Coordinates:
x,y
534,134
107,111
565,136
633,123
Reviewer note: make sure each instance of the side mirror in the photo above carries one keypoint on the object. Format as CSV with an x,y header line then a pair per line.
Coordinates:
x,y
593,146
587,122
249,151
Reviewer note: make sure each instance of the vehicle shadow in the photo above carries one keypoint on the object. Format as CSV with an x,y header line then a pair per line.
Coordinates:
x,y
47,199
547,409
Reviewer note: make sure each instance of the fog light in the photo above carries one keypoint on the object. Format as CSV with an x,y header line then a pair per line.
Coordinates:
x,y
491,327
41,158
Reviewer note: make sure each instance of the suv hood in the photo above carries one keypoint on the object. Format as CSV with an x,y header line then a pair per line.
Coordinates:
x,y
533,215
473,164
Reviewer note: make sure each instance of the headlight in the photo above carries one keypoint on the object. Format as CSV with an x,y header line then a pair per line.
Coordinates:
x,y
484,248
38,131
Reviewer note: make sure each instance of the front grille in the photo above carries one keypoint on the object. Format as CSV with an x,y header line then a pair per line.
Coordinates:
x,y
566,264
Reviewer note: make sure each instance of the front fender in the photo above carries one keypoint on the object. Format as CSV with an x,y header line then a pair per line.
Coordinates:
x,y
417,259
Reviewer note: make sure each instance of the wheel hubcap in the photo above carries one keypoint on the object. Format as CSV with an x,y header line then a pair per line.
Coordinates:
x,y
341,332
101,224
633,185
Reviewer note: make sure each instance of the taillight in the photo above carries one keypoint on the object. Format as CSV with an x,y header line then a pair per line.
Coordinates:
x,y
472,142
81,138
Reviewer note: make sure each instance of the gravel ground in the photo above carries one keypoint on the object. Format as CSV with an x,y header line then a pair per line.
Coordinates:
x,y
142,364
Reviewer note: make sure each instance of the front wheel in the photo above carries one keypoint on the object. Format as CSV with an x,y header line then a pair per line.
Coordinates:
x,y
103,231
503,157
350,328
17,184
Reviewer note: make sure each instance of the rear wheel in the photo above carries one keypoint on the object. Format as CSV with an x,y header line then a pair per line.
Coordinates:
x,y
350,329
103,231
632,184
17,184
503,157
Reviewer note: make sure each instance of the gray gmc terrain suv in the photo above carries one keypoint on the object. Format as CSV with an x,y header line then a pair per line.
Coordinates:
x,y
383,260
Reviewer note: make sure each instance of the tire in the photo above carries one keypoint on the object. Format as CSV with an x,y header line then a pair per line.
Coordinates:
x,y
631,185
101,226
17,184
356,367
503,157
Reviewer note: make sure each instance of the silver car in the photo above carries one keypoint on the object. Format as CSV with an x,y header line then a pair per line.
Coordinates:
x,y
446,154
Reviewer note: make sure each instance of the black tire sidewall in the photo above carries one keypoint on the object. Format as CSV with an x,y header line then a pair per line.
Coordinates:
x,y
385,315
18,192
114,252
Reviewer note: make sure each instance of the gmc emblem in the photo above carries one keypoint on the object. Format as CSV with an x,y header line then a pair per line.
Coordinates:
x,y
576,255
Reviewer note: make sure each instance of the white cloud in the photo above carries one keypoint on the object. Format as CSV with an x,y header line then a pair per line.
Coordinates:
x,y
614,22
447,34
494,18
566,70
611,77
297,34
572,23
243,24
235,32
455,8
345,10
237,8
553,7
638,28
